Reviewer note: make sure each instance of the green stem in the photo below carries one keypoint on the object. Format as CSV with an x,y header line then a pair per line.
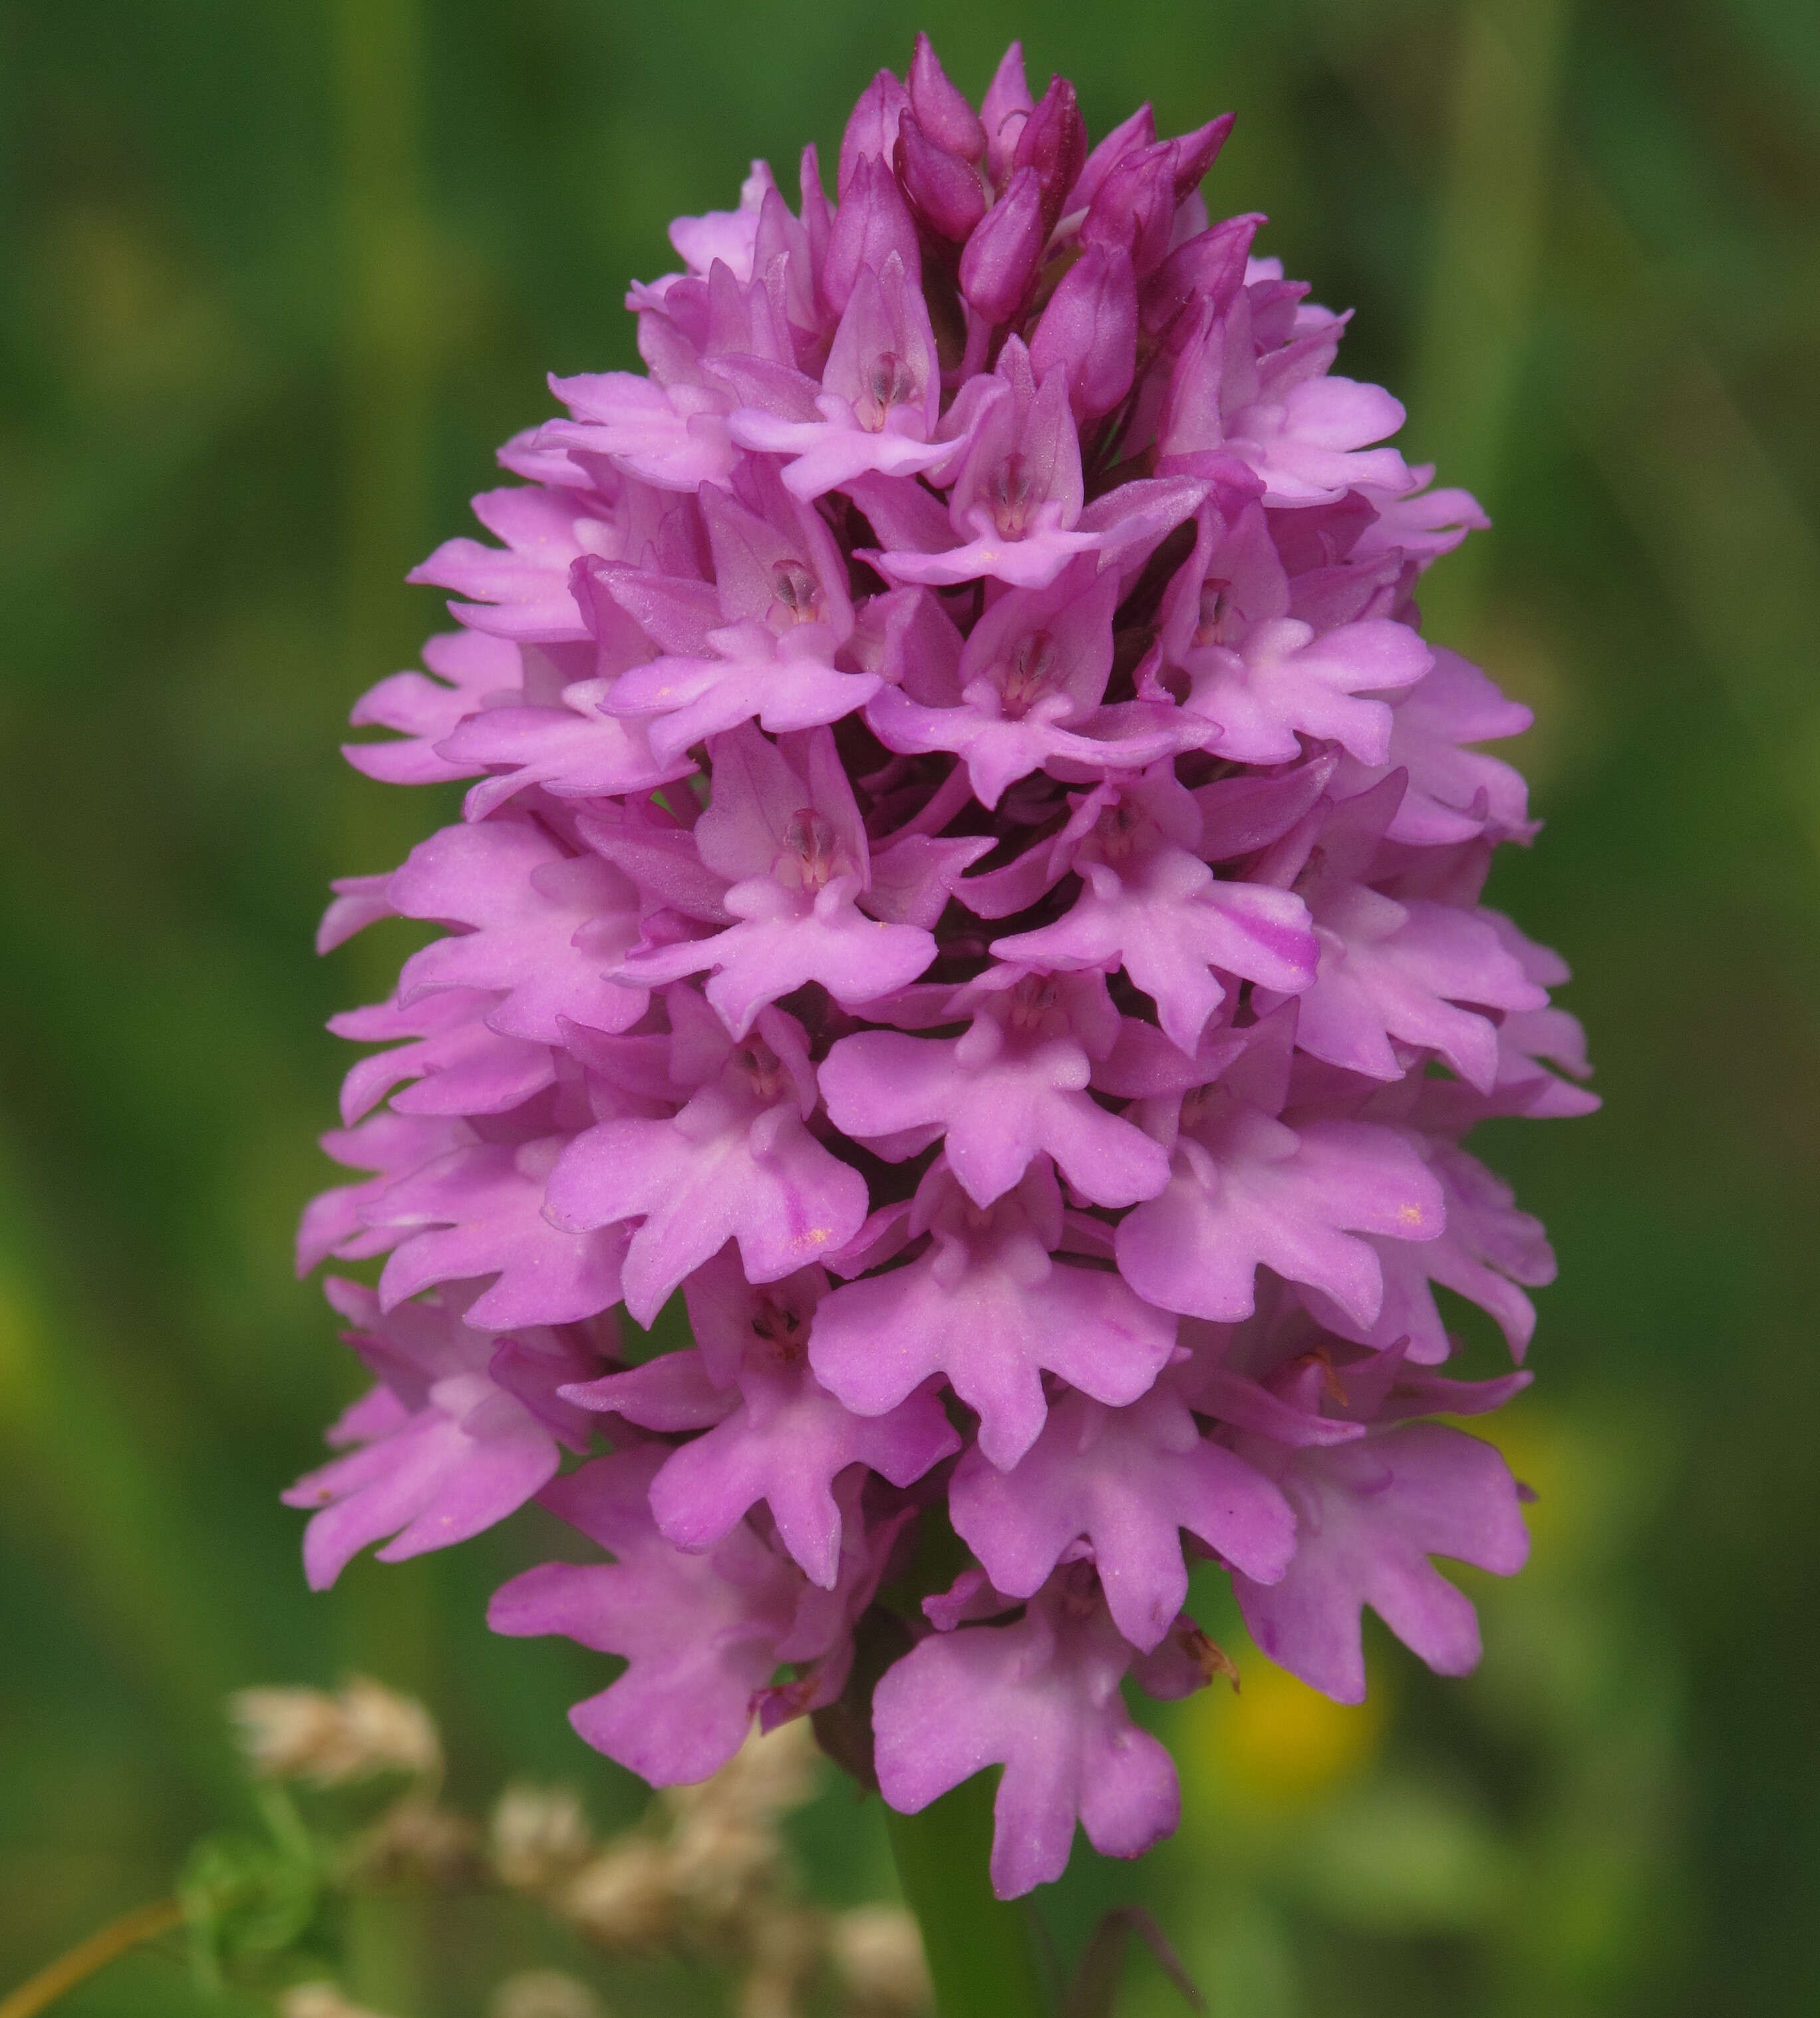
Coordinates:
x,y
981,1955
1492,220
116,1939
388,1956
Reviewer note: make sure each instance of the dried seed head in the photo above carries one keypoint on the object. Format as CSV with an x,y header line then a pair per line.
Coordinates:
x,y
538,1834
358,1733
287,1734
625,1898
770,1774
415,1841
544,1993
786,1949
319,2000
720,1862
877,1954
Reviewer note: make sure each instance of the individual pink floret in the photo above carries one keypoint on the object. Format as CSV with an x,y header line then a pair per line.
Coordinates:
x,y
546,928
989,1305
463,1429
1013,1088
1247,1189
702,1634
772,1432
785,833
1371,1514
1040,1698
1151,905
1117,1486
735,1163
1027,686
878,401
1018,495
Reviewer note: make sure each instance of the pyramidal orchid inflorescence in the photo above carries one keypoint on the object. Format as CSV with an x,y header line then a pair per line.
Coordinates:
x,y
971,884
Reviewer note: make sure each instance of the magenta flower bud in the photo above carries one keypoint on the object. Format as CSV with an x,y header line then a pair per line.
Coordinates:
x,y
1130,137
944,188
1092,1207
1003,111
1195,153
1054,142
1088,331
871,132
998,266
873,223
1136,208
1208,268
817,217
943,112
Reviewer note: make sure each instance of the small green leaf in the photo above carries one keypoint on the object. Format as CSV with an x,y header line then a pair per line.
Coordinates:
x,y
246,1897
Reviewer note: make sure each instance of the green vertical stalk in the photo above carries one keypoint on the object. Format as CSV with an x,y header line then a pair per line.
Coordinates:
x,y
1481,298
982,1957
389,326
88,1489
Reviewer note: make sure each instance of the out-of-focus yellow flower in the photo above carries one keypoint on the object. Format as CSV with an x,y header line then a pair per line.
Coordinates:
x,y
1276,1739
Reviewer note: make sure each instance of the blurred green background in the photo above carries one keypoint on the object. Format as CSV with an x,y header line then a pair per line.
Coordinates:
x,y
276,276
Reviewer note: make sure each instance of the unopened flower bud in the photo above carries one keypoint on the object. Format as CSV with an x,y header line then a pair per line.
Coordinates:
x,y
1003,112
1054,142
943,187
873,223
1195,153
999,264
941,109
1130,137
1209,267
1089,330
1136,208
871,129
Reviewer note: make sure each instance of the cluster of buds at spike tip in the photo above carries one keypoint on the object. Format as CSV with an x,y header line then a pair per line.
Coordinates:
x,y
970,886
